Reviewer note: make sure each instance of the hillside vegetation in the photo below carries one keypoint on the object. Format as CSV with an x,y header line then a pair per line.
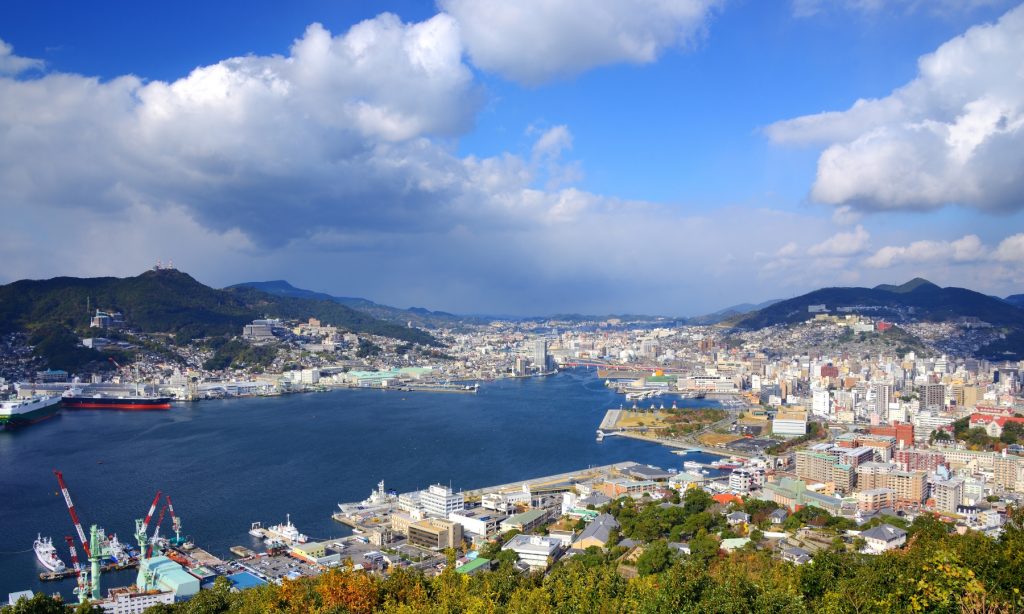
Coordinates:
x,y
939,571
417,315
169,301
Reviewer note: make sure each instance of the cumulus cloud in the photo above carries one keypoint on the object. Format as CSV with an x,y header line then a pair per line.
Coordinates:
x,y
336,133
842,244
968,248
533,41
953,135
332,166
11,64
1011,250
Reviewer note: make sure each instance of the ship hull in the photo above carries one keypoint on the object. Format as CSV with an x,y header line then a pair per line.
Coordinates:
x,y
17,418
131,404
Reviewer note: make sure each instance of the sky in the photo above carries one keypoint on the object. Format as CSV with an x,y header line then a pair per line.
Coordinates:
x,y
529,158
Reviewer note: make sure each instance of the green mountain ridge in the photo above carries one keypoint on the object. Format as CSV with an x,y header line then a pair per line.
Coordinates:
x,y
170,301
419,316
918,299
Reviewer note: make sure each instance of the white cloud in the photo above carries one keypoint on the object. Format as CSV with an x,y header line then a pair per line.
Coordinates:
x,y
11,64
789,250
953,135
1011,249
533,41
842,244
552,142
968,248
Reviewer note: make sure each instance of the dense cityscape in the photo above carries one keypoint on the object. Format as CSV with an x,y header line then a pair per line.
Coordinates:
x,y
842,433
532,307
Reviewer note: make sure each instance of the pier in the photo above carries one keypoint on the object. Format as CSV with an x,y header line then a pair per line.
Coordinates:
x,y
71,573
610,426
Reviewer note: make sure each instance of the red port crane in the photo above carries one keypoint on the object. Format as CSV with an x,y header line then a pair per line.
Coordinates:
x,y
156,530
175,523
152,508
74,555
71,510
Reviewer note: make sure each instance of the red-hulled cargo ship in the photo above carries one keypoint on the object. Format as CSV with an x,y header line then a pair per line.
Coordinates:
x,y
116,401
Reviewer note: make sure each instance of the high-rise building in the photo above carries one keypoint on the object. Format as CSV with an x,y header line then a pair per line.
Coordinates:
x,y
883,396
1006,471
540,354
933,396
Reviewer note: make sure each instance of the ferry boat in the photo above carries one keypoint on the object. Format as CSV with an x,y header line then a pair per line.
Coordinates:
x,y
286,532
27,411
693,466
47,554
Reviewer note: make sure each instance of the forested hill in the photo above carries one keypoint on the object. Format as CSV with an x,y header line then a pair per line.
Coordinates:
x,y
170,301
418,316
917,299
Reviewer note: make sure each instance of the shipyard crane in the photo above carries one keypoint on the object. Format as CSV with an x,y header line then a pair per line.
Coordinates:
x,y
152,508
156,531
175,523
82,590
71,510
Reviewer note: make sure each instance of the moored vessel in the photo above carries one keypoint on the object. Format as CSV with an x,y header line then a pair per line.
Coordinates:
x,y
47,554
285,532
27,411
106,400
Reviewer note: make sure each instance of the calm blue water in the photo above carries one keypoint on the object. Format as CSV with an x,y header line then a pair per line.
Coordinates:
x,y
229,463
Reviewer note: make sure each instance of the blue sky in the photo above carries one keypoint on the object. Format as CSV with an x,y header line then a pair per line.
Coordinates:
x,y
531,158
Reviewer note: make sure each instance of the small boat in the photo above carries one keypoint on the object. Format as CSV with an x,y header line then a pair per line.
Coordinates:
x,y
600,435
257,530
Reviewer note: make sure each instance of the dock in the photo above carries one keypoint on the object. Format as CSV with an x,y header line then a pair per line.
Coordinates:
x,y
242,552
48,576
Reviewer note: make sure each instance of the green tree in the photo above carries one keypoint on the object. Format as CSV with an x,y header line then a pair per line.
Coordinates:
x,y
655,558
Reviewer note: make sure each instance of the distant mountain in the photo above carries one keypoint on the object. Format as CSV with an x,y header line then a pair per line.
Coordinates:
x,y
1017,300
729,313
417,315
169,301
918,299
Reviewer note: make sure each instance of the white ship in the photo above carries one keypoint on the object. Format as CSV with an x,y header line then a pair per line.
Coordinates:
x,y
47,554
286,532
117,550
26,411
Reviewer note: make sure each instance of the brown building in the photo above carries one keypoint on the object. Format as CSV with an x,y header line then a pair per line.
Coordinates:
x,y
435,533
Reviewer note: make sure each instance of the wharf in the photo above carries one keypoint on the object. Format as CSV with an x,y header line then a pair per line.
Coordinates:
x,y
71,573
578,475
381,513
609,426
242,552
203,557
686,445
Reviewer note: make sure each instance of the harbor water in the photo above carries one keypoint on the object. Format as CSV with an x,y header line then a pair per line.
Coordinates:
x,y
228,463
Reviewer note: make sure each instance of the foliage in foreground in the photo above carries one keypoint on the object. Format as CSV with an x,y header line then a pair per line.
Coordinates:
x,y
939,571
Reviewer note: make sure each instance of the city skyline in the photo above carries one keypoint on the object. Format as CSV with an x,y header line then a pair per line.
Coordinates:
x,y
670,159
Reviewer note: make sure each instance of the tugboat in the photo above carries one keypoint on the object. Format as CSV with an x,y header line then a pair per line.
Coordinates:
x,y
47,554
